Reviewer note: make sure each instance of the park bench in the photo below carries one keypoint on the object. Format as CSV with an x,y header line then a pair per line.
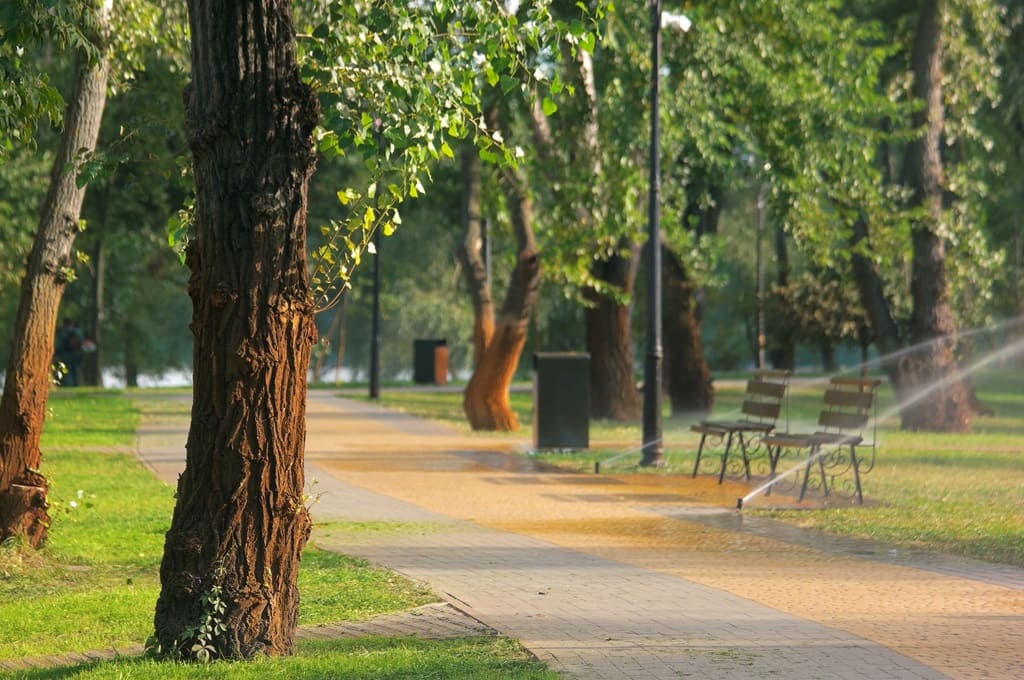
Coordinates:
x,y
762,403
850,404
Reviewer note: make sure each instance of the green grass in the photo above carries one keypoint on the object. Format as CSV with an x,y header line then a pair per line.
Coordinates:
x,y
961,494
95,583
379,658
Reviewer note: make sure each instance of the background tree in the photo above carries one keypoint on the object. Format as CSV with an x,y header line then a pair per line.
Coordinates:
x,y
23,489
942,198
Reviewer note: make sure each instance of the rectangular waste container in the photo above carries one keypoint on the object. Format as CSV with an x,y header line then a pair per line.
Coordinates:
x,y
561,400
430,361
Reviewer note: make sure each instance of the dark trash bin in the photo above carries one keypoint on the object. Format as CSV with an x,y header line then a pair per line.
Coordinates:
x,y
430,361
561,400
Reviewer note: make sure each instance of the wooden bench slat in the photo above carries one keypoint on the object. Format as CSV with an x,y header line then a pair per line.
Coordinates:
x,y
858,400
842,421
762,409
725,426
766,389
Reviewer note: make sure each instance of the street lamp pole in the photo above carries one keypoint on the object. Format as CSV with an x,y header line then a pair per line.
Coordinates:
x,y
375,323
652,444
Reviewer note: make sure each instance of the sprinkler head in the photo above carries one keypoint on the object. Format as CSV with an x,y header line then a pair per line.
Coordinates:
x,y
597,467
739,503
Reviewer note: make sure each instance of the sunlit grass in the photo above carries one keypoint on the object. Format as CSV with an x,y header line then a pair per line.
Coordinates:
x,y
95,583
379,658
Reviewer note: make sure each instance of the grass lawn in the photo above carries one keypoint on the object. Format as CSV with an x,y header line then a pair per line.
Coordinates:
x,y
369,657
961,494
95,583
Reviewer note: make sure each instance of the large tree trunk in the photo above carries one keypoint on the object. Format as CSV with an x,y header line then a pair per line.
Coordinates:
x,y
485,399
931,324
613,392
239,524
687,377
23,489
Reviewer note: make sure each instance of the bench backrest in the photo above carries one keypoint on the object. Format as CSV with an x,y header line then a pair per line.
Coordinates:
x,y
763,399
849,403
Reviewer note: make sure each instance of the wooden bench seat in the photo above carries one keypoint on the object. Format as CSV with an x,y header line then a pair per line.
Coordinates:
x,y
762,404
849,406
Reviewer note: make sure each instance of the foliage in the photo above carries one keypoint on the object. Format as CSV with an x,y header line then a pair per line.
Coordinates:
x,y
27,92
822,309
397,83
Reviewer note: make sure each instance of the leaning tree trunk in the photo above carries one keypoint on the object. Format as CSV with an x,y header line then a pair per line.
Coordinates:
x,y
232,553
485,399
23,488
687,376
613,392
933,366
470,254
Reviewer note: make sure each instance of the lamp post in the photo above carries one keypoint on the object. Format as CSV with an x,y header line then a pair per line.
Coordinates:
x,y
652,440
375,323
759,274
652,445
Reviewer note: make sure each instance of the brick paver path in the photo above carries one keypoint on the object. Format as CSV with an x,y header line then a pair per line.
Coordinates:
x,y
649,578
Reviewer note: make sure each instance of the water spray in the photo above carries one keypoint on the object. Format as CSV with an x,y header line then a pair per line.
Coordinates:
x,y
1004,353
617,456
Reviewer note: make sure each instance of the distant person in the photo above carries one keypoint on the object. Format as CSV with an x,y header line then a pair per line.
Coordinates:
x,y
68,351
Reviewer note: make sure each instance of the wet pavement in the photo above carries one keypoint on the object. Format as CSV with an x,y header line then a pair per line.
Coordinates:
x,y
643,576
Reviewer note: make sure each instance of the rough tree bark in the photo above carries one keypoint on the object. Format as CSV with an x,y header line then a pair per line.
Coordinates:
x,y
929,362
931,324
23,489
240,523
498,345
613,392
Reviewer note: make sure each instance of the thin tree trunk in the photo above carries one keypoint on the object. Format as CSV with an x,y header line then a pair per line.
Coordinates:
x,y
23,489
240,522
99,262
931,324
339,355
613,392
784,356
471,257
485,399
687,376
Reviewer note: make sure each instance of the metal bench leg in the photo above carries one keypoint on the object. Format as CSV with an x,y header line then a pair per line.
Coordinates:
x,y
773,462
746,458
824,478
700,450
807,471
856,473
725,458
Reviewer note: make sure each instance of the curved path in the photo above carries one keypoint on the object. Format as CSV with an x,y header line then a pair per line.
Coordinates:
x,y
643,577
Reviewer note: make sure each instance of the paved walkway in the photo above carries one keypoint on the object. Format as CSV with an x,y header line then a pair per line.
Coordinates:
x,y
648,577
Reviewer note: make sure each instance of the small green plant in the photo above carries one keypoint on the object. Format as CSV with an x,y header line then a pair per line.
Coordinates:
x,y
211,625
